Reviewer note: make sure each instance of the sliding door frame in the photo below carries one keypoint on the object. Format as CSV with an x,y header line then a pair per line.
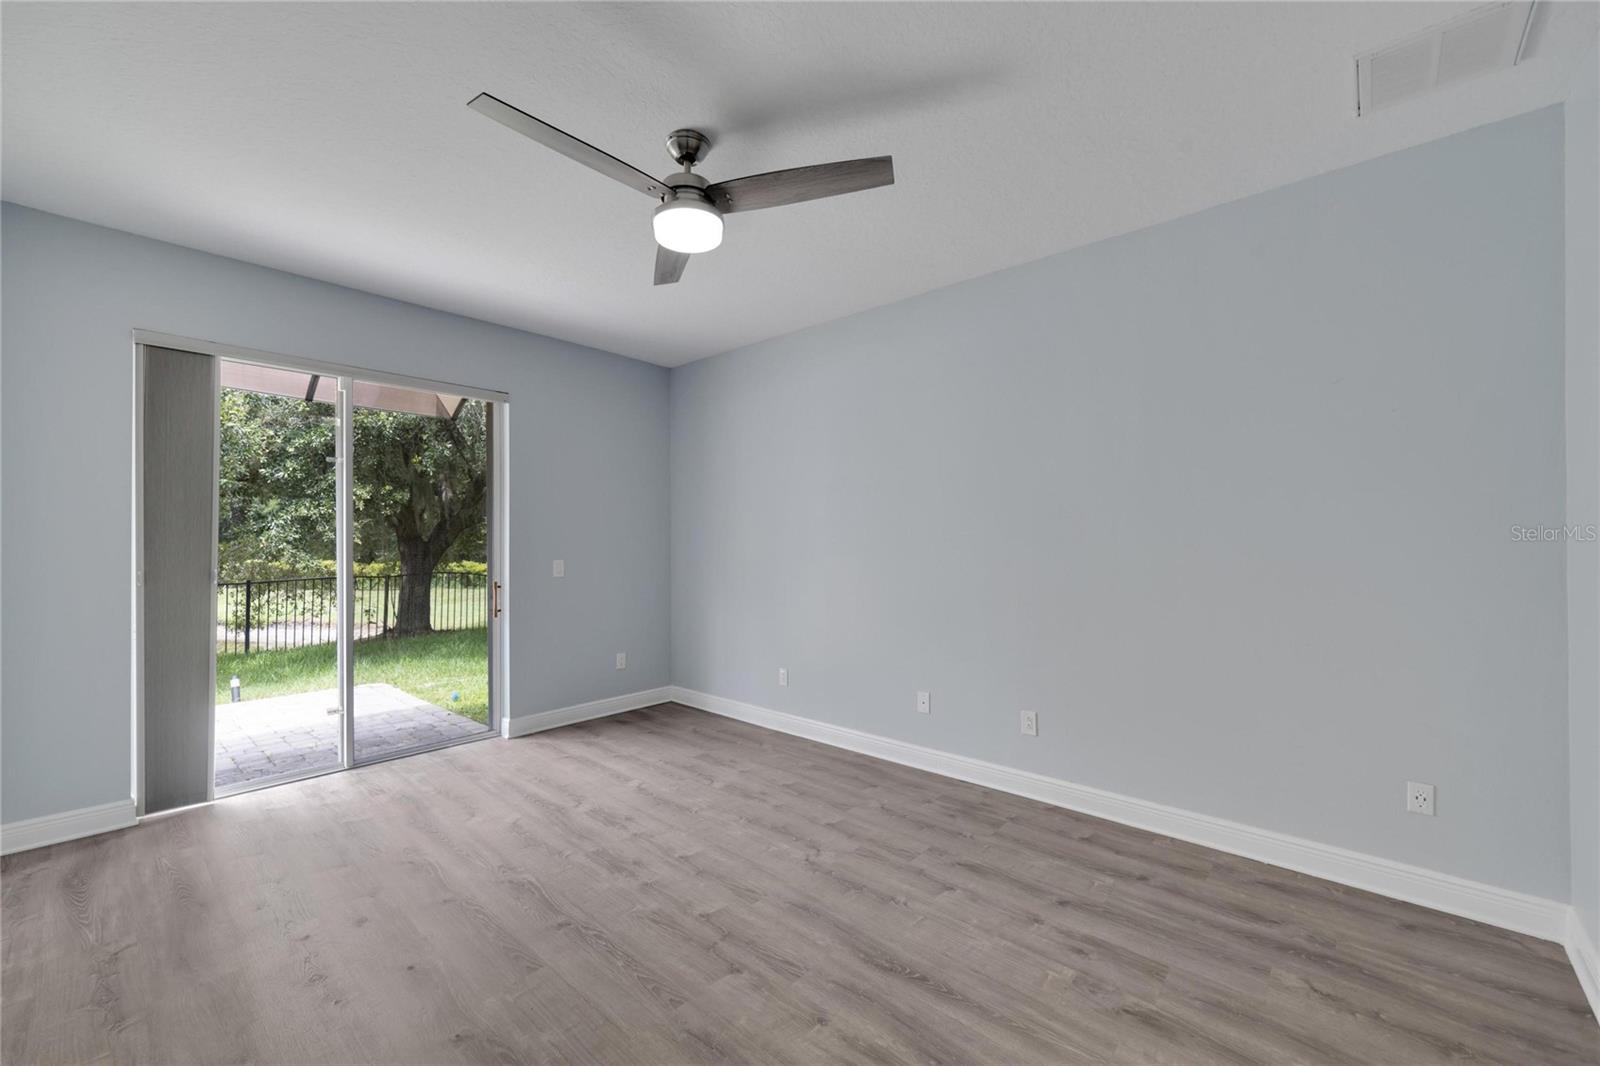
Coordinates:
x,y
325,367
497,540
344,566
136,623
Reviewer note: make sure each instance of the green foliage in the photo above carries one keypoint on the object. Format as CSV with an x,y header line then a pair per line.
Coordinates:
x,y
420,480
276,485
463,566
270,569
235,568
419,486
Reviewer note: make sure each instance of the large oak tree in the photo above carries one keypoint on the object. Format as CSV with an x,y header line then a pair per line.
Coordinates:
x,y
421,483
420,490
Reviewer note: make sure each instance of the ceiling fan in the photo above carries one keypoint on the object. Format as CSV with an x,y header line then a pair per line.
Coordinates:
x,y
689,218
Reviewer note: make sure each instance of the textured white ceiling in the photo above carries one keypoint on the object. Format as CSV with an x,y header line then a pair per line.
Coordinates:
x,y
334,140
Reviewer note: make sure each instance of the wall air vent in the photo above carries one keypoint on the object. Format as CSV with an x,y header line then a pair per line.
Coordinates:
x,y
1486,39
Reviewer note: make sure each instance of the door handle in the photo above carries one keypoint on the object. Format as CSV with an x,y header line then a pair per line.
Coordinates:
x,y
496,599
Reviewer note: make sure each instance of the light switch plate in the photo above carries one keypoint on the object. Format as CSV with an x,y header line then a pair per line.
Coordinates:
x,y
558,568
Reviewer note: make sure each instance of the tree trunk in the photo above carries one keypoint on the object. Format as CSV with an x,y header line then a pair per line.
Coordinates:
x,y
420,544
413,615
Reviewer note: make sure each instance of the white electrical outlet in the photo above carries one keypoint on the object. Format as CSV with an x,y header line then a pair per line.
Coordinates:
x,y
622,660
558,568
922,703
1030,723
783,677
1419,798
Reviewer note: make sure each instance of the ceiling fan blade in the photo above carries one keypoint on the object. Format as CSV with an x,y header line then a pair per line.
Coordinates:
x,y
669,265
566,144
779,187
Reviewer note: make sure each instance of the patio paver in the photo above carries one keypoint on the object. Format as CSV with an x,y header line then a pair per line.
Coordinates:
x,y
259,739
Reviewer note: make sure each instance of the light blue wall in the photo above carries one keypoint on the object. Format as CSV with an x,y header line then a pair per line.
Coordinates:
x,y
588,476
1582,113
1227,501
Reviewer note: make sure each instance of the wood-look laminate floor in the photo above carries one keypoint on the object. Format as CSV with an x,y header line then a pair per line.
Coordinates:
x,y
667,886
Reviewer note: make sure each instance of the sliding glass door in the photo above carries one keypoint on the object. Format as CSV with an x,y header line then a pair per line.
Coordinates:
x,y
355,603
277,698
419,575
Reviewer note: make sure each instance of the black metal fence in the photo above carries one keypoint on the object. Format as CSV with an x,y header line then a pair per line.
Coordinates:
x,y
295,612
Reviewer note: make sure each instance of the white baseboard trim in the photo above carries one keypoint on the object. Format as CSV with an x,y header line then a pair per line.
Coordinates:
x,y
1585,956
89,821
583,712
1543,918
68,825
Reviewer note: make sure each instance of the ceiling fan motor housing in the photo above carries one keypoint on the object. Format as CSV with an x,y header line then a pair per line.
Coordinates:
x,y
688,189
685,186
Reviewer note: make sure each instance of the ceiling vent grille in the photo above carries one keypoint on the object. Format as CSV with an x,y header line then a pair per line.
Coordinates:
x,y
1487,39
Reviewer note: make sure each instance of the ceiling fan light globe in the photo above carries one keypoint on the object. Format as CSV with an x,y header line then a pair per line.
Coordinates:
x,y
688,226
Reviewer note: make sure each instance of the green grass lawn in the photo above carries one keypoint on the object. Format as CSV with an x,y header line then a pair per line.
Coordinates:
x,y
430,667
